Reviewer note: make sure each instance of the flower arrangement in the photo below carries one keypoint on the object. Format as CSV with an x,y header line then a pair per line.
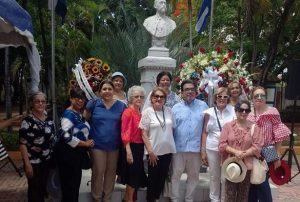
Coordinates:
x,y
88,74
215,68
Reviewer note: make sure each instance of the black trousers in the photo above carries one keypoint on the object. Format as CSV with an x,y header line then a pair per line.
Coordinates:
x,y
157,176
37,183
69,161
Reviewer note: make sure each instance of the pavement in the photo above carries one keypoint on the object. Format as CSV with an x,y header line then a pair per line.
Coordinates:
x,y
13,188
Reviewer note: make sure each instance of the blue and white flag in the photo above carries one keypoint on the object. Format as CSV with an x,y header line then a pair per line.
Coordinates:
x,y
203,15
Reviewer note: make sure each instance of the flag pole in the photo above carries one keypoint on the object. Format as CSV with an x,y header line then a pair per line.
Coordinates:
x,y
53,61
211,24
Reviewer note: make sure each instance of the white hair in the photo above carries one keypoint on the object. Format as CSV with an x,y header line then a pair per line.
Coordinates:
x,y
133,89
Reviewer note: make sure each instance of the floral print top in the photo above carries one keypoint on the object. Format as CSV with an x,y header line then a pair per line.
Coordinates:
x,y
37,136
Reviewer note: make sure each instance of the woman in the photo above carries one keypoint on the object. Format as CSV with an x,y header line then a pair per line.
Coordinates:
x,y
236,140
164,80
105,118
119,82
214,120
235,92
157,132
273,132
134,174
72,145
35,138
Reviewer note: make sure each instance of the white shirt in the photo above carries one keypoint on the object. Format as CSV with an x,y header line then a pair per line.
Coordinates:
x,y
161,138
213,129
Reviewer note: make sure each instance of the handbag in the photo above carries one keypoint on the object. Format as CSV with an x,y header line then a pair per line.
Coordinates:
x,y
270,153
86,161
259,169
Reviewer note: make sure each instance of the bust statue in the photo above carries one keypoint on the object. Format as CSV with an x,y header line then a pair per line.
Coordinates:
x,y
159,25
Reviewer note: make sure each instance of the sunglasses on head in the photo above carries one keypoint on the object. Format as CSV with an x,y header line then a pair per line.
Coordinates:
x,y
222,97
259,96
242,110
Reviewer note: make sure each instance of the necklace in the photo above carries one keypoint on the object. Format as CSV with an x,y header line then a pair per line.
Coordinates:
x,y
162,123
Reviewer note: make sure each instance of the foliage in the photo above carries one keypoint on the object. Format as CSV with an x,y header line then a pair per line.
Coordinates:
x,y
10,140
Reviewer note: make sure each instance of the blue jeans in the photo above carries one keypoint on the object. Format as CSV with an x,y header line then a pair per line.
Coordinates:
x,y
260,192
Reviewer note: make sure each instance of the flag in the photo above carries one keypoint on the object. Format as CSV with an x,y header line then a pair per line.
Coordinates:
x,y
60,7
203,15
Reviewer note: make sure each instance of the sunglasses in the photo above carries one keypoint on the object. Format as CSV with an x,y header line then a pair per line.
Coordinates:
x,y
159,96
259,96
139,96
242,110
222,97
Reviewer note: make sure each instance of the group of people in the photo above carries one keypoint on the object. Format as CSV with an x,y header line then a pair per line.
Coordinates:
x,y
175,134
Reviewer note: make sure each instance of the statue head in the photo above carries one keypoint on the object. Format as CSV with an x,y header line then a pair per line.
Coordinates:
x,y
160,6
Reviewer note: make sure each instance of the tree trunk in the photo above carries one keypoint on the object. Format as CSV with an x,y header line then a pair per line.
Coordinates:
x,y
274,40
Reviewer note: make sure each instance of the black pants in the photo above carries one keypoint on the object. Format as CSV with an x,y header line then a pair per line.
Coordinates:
x,y
69,162
157,176
37,183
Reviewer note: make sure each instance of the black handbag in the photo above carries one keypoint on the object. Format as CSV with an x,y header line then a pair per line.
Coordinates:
x,y
86,161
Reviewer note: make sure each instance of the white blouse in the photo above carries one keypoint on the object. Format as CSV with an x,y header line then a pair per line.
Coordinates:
x,y
213,129
161,138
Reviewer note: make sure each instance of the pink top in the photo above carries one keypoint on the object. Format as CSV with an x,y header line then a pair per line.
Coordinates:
x,y
130,131
272,128
240,139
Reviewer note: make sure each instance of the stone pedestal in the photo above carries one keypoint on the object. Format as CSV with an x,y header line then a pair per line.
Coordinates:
x,y
157,60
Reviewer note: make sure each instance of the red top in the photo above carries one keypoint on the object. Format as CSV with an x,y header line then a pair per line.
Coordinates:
x,y
272,128
130,131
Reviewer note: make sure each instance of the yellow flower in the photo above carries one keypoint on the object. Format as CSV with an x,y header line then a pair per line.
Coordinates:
x,y
106,67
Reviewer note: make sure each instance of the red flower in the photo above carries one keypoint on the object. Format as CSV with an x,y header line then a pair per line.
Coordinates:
x,y
219,50
236,63
242,81
225,60
202,50
231,54
181,66
176,13
190,54
177,79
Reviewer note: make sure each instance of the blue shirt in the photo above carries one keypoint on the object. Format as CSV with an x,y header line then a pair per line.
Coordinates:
x,y
189,123
105,124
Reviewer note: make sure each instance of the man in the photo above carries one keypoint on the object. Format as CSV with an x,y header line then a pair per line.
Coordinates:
x,y
159,25
189,118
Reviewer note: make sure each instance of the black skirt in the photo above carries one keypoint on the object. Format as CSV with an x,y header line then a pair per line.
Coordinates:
x,y
133,174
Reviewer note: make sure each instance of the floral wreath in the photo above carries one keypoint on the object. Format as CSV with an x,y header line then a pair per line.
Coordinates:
x,y
213,69
88,74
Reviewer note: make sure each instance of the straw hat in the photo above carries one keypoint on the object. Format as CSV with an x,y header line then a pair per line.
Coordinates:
x,y
234,170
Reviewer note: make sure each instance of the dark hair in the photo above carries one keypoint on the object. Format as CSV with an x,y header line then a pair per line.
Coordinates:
x,y
105,82
77,93
161,74
238,105
158,89
186,82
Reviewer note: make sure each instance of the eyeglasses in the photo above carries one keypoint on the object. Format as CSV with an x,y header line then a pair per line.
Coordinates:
x,y
222,97
189,89
259,96
139,96
39,101
159,96
242,110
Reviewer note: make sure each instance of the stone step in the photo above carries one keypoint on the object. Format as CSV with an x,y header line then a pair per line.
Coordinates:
x,y
201,192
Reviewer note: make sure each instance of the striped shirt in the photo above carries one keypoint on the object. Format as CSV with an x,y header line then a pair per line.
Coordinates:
x,y
272,128
3,153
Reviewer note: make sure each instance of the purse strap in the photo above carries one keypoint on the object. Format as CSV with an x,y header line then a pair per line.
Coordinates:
x,y
218,119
